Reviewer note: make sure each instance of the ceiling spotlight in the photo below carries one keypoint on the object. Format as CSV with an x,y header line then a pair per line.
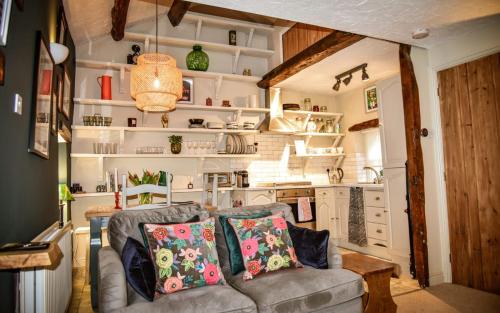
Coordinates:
x,y
336,87
364,75
347,80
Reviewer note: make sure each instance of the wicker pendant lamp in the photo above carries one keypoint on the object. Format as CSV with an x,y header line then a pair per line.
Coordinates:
x,y
156,82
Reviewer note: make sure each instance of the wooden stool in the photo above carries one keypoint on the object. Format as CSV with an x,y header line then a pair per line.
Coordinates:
x,y
377,274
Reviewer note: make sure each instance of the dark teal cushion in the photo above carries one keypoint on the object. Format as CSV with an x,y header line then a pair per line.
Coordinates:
x,y
232,243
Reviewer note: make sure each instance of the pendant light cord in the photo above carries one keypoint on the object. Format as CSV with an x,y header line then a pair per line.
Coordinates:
x,y
156,26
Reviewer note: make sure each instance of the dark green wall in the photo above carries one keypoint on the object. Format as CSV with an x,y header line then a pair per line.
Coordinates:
x,y
28,192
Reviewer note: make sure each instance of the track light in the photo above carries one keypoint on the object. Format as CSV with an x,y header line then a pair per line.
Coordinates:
x,y
348,76
347,80
336,87
364,76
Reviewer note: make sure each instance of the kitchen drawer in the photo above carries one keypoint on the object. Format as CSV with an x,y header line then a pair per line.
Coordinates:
x,y
324,193
375,198
378,243
376,215
376,231
341,192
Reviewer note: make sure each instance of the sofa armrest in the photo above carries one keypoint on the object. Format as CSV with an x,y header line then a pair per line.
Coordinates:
x,y
332,251
112,284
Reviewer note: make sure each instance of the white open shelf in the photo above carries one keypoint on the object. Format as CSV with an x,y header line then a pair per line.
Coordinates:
x,y
125,103
336,155
189,43
232,24
318,114
102,65
112,194
162,156
164,130
320,134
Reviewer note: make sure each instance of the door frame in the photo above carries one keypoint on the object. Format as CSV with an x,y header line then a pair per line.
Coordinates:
x,y
439,153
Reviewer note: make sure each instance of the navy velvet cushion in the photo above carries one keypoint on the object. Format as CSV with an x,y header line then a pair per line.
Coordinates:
x,y
232,243
310,246
139,268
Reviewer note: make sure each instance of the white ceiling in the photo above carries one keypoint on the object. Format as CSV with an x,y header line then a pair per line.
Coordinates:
x,y
381,56
388,19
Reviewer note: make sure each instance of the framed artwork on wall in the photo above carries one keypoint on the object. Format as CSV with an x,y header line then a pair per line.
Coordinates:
x,y
53,112
371,101
60,90
66,98
5,6
39,142
2,68
187,91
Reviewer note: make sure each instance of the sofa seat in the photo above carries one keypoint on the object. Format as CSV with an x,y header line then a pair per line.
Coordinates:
x,y
303,290
208,299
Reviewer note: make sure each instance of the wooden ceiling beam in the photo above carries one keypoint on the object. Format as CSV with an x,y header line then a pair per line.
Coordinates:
x,y
119,19
316,52
177,11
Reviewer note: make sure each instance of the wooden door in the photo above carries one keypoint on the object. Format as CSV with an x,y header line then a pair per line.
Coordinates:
x,y
470,116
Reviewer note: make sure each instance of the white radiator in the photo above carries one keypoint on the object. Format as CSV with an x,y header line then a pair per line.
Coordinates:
x,y
48,291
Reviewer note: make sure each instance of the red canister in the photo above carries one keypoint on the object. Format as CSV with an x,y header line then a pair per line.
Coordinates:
x,y
105,85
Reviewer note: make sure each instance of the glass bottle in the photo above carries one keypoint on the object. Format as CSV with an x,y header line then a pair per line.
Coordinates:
x,y
329,126
197,60
307,104
311,126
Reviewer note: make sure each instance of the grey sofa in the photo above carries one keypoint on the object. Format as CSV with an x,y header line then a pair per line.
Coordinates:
x,y
299,290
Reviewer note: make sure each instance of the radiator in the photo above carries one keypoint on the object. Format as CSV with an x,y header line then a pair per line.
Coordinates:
x,y
48,291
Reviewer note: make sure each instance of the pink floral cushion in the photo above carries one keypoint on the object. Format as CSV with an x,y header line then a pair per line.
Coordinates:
x,y
184,255
265,244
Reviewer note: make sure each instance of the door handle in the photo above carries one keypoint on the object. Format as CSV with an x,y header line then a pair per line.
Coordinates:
x,y
378,215
379,231
377,198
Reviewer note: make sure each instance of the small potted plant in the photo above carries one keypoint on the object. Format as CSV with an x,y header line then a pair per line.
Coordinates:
x,y
175,144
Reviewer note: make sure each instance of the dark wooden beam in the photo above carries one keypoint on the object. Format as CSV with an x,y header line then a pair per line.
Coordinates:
x,y
119,19
323,48
364,125
177,11
411,107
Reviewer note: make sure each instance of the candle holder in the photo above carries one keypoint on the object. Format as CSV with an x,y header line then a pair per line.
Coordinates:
x,y
117,201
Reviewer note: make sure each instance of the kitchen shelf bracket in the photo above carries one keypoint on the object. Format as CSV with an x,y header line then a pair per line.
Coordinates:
x,y
236,60
198,29
218,84
339,161
100,168
336,142
250,37
122,79
237,116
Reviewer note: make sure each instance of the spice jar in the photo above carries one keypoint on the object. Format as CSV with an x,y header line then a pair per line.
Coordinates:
x,y
329,126
316,108
323,108
299,121
307,104
320,125
311,126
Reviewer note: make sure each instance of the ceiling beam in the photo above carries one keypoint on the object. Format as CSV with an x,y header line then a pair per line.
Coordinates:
x,y
119,19
316,52
177,11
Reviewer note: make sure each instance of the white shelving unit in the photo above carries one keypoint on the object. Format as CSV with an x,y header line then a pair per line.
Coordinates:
x,y
163,130
318,155
311,113
112,194
162,156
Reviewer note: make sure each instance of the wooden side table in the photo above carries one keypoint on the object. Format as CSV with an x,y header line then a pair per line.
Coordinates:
x,y
377,274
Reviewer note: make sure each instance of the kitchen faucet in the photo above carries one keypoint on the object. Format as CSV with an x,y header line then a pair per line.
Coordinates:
x,y
378,178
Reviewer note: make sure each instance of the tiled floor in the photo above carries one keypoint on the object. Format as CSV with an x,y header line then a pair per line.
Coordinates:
x,y
80,301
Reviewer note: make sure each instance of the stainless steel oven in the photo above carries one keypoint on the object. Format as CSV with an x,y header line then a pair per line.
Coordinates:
x,y
291,197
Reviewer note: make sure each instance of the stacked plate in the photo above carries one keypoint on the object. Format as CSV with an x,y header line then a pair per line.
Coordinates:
x,y
232,125
236,144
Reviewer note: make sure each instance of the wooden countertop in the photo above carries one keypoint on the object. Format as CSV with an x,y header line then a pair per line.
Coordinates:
x,y
101,211
365,265
49,258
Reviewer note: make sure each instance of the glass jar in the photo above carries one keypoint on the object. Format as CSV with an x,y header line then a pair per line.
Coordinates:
x,y
316,108
299,122
320,125
329,126
323,108
311,126
197,60
307,104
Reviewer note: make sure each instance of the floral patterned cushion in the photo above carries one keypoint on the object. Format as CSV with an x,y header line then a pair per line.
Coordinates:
x,y
265,244
184,255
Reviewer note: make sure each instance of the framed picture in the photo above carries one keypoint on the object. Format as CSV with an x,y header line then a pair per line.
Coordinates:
x,y
2,68
62,26
5,6
371,101
42,86
66,99
53,112
187,91
60,90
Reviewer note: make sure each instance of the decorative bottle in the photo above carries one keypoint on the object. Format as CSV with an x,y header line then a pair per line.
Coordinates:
x,y
197,60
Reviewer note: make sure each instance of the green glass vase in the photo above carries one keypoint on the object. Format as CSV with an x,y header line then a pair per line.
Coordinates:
x,y
197,60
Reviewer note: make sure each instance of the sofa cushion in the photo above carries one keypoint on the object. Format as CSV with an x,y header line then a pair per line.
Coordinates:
x,y
139,268
232,244
208,299
219,234
126,223
310,246
265,245
184,254
301,290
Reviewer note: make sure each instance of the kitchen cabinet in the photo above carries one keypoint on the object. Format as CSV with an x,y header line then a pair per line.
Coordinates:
x,y
342,207
255,197
326,215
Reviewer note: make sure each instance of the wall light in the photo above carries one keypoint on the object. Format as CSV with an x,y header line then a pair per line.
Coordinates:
x,y
347,80
336,87
348,76
59,52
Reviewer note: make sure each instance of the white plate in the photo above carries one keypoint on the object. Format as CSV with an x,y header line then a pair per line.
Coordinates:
x,y
245,144
229,144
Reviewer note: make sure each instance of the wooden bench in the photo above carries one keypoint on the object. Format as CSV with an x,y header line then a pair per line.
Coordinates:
x,y
377,274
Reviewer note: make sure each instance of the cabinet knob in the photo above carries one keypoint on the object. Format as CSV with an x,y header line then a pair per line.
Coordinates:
x,y
377,198
378,215
324,193
379,231
271,192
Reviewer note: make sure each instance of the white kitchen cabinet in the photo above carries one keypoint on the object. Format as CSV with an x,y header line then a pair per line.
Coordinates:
x,y
255,197
391,120
327,216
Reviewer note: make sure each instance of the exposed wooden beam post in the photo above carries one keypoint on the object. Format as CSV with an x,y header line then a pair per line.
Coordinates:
x,y
119,19
177,11
316,52
411,106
